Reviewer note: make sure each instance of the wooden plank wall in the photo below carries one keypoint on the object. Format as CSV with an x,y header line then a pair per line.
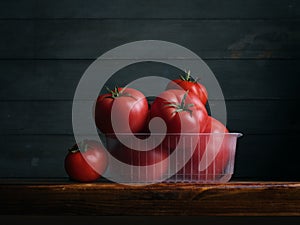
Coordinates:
x,y
252,47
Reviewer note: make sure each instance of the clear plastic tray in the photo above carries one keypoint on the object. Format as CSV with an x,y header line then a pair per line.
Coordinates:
x,y
192,157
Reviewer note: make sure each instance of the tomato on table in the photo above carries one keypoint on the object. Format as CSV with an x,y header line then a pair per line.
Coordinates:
x,y
86,161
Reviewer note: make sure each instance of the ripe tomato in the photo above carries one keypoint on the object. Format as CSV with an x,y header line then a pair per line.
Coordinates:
x,y
193,87
125,109
212,152
154,159
215,126
182,113
87,163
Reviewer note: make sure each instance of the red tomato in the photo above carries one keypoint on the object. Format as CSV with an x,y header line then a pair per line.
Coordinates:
x,y
182,113
155,157
213,150
129,115
145,129
215,126
86,164
193,87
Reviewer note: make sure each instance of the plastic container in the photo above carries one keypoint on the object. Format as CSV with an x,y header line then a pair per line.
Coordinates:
x,y
189,158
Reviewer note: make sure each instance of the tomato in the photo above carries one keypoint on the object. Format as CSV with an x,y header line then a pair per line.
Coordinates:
x,y
145,129
212,152
88,163
156,158
181,112
125,109
193,87
139,158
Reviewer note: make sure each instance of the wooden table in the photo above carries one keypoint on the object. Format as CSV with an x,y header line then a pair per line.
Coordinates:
x,y
62,197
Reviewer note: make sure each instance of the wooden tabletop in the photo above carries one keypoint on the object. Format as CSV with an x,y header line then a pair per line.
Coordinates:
x,y
63,197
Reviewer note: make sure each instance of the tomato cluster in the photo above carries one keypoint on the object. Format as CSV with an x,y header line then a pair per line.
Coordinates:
x,y
181,110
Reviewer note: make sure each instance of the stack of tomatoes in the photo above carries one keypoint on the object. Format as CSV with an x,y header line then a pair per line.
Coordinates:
x,y
176,113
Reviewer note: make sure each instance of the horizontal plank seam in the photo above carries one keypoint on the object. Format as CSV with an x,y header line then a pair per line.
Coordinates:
x,y
274,58
58,181
64,180
292,18
267,99
295,133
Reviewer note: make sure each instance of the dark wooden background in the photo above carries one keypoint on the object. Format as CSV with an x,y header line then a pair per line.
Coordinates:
x,y
252,46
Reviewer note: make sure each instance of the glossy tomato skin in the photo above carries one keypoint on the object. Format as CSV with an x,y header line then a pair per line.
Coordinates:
x,y
215,126
139,158
157,158
177,123
86,166
214,138
130,102
192,86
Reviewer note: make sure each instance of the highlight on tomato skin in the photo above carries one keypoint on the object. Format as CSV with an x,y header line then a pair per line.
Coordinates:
x,y
86,161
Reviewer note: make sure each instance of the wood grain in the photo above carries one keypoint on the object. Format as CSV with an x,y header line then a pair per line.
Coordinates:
x,y
155,9
88,39
65,198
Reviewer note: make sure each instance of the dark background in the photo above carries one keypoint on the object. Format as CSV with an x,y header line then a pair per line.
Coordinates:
x,y
252,47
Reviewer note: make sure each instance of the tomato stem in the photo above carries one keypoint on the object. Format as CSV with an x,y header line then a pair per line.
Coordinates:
x,y
187,77
116,93
182,107
74,149
82,146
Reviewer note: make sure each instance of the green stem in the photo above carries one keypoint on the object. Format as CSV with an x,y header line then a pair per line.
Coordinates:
x,y
187,77
116,93
182,107
81,147
74,149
